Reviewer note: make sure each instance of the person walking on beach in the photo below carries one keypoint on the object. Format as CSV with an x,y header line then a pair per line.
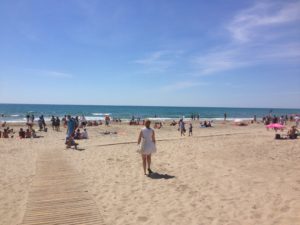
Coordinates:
x,y
182,127
191,130
71,126
148,145
107,119
225,116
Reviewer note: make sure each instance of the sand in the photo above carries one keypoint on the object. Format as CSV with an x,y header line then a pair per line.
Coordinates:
x,y
222,175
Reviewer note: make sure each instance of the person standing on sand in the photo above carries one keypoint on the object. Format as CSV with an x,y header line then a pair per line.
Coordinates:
x,y
147,141
225,116
182,127
191,130
71,126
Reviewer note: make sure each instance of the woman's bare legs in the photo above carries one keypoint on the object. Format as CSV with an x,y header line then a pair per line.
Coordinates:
x,y
146,162
149,161
144,157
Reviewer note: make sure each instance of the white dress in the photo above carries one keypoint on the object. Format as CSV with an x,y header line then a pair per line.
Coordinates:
x,y
148,146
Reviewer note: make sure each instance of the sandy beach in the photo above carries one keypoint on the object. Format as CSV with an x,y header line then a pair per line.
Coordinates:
x,y
222,175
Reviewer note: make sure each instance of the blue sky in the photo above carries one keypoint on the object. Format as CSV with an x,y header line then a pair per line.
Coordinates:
x,y
160,52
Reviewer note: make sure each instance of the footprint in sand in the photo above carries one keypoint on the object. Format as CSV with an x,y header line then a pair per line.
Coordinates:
x,y
142,218
285,209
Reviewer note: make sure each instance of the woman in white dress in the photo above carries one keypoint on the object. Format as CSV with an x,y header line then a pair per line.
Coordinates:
x,y
147,138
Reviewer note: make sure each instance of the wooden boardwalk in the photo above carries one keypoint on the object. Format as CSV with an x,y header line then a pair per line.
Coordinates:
x,y
59,195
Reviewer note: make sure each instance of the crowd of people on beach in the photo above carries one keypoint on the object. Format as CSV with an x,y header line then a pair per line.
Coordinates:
x,y
80,122
195,116
27,133
269,119
73,131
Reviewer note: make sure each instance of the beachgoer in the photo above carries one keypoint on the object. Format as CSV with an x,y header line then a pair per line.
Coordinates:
x,y
5,133
53,122
28,134
225,116
148,145
34,134
83,121
21,133
208,124
182,127
70,126
57,124
84,134
292,133
32,118
70,142
77,134
107,119
65,121
297,120
191,130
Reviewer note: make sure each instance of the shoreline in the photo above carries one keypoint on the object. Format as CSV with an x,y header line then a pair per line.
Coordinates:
x,y
126,120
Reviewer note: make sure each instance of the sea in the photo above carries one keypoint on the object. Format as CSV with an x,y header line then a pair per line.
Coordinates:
x,y
18,112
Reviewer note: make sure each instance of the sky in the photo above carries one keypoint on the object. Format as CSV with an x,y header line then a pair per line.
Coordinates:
x,y
151,52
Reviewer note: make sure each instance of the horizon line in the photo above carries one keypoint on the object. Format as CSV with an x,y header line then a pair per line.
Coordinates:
x,y
229,107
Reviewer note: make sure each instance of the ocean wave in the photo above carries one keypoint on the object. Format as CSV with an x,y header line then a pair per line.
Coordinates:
x,y
101,114
159,118
15,115
94,118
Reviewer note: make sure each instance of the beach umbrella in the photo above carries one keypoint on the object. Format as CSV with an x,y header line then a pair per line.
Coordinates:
x,y
275,126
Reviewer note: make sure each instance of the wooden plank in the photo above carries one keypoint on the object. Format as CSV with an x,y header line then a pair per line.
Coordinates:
x,y
59,195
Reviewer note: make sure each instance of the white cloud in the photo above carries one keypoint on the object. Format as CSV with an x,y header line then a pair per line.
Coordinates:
x,y
256,38
250,23
218,60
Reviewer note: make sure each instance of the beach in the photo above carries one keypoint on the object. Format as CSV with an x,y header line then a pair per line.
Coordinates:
x,y
226,174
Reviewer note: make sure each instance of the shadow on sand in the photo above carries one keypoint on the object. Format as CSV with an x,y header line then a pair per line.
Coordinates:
x,y
160,176
75,149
